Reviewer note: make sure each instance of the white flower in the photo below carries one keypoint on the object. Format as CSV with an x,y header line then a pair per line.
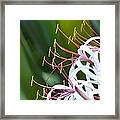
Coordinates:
x,y
80,89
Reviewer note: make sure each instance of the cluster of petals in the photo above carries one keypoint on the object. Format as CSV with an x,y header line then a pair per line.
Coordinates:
x,y
79,89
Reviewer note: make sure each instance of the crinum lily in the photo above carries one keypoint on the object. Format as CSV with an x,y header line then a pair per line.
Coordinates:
x,y
75,90
86,61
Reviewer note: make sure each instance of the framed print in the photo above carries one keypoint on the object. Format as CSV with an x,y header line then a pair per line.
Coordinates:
x,y
60,59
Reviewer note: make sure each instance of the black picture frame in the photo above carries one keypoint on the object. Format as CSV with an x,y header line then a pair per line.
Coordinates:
x,y
70,2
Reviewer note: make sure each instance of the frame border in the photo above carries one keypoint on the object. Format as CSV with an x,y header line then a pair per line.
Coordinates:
x,y
69,2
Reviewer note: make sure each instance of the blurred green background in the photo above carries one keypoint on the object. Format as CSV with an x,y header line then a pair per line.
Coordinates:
x,y
36,36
